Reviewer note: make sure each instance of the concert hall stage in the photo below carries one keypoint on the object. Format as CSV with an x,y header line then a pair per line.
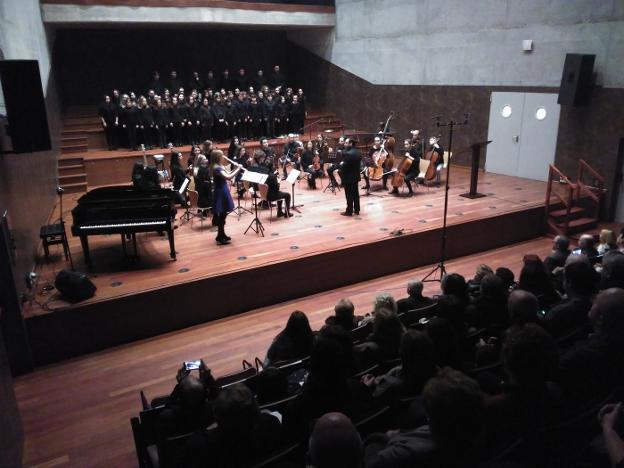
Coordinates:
x,y
313,251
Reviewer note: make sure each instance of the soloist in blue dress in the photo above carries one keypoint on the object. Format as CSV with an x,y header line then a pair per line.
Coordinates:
x,y
223,202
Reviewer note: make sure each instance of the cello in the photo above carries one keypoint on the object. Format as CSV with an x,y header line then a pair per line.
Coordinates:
x,y
434,157
404,167
376,171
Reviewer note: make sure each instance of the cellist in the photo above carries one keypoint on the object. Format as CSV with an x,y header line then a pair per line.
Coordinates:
x,y
413,151
435,154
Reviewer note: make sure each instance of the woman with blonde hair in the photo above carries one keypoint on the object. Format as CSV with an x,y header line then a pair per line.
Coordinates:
x,y
607,241
222,199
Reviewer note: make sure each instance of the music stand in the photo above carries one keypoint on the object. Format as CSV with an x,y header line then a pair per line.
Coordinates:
x,y
239,210
291,179
182,191
255,178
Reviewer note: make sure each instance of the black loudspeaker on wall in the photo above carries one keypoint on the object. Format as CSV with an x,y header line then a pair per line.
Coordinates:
x,y
74,286
25,105
576,80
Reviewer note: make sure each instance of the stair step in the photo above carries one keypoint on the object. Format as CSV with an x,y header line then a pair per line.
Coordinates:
x,y
75,187
70,160
72,179
580,224
73,139
80,148
575,213
71,169
73,121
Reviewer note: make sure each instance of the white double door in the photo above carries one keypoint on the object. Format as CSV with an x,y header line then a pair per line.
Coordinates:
x,y
523,129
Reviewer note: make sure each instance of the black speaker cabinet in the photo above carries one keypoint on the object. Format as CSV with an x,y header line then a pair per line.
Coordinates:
x,y
25,105
74,286
576,80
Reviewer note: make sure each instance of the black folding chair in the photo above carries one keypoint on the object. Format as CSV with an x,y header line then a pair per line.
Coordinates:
x,y
361,333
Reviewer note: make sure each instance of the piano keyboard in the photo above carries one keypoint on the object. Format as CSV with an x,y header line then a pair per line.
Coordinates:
x,y
122,225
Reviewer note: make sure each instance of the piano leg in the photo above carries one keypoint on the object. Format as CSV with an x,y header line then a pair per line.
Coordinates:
x,y
84,241
134,244
171,243
123,245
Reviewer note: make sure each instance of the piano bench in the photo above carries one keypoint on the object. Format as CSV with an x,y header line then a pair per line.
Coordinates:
x,y
52,234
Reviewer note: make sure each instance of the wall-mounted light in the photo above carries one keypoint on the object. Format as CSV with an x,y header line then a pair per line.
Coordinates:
x,y
527,45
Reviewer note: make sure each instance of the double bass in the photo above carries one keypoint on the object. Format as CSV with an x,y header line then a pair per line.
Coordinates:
x,y
382,156
434,158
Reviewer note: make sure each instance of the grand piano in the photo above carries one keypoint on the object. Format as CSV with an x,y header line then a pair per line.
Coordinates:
x,y
126,211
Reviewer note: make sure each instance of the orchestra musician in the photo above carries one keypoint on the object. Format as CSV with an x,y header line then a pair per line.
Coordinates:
x,y
203,183
310,163
368,161
413,150
290,148
274,193
177,175
350,174
335,165
223,203
269,152
435,154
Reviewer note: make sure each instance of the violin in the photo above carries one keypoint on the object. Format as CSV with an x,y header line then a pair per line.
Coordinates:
x,y
316,162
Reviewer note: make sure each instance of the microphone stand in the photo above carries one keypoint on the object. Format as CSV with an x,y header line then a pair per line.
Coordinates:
x,y
440,268
60,191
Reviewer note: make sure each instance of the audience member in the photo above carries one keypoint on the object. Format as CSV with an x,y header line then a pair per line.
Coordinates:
x,y
523,307
610,417
596,364
607,241
535,279
560,251
414,299
335,443
580,283
383,343
509,280
344,315
612,273
489,309
446,345
474,284
455,410
586,246
295,341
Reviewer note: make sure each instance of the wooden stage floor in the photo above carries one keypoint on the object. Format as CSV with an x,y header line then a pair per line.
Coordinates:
x,y
77,413
317,229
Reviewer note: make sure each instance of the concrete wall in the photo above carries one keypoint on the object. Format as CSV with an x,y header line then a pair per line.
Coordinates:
x,y
476,43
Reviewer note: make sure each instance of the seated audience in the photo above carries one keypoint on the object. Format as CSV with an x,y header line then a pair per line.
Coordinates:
x,y
523,308
446,344
596,364
335,443
344,315
535,279
243,434
489,309
607,241
414,299
529,400
580,283
475,282
610,417
455,411
559,254
509,280
586,246
383,343
295,341
612,273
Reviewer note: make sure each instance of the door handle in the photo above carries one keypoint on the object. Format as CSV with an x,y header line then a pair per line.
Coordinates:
x,y
515,138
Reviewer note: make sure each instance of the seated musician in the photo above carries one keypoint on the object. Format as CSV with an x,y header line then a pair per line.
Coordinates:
x,y
269,152
177,176
368,161
336,162
414,152
308,160
203,184
290,149
434,147
274,193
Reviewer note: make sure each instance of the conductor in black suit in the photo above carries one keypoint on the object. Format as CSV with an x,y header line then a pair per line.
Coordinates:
x,y
350,176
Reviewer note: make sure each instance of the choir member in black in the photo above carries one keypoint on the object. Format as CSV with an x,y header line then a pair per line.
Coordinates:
x,y
277,78
350,175
282,119
211,81
226,81
297,115
260,80
177,121
338,155
161,122
222,199
268,151
269,115
274,193
196,82
241,112
156,84
116,98
256,117
185,126
174,82
131,123
194,123
220,124
146,123
241,80
110,121
230,119
177,175
206,119
307,164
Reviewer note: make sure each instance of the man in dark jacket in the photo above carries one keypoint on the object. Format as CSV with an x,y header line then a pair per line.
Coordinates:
x,y
350,176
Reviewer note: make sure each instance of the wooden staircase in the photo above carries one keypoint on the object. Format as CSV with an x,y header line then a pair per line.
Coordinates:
x,y
77,121
320,122
577,209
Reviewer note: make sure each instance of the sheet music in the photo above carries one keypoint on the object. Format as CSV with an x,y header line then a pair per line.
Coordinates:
x,y
254,177
292,176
